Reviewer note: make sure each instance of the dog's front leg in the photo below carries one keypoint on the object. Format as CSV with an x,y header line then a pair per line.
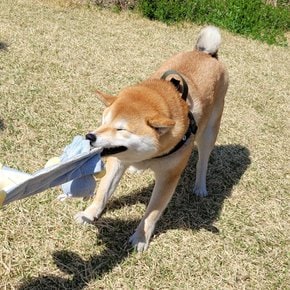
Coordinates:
x,y
167,174
161,195
114,171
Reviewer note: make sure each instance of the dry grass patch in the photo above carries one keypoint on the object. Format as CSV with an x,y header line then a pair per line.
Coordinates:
x,y
51,60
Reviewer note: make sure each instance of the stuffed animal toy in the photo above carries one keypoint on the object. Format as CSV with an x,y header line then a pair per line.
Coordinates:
x,y
76,170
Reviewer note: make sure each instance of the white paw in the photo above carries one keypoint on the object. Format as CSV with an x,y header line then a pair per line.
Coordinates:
x,y
132,169
83,218
200,191
139,242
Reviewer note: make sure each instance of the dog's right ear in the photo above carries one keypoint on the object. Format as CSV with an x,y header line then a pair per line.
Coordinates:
x,y
106,99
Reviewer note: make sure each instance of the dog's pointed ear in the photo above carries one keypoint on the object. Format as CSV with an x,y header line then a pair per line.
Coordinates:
x,y
106,99
161,124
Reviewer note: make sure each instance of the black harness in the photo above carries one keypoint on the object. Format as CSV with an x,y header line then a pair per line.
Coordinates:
x,y
192,127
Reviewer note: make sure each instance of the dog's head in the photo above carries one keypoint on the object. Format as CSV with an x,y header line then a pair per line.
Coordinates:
x,y
136,124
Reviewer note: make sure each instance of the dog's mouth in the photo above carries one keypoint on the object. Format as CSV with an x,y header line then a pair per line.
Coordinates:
x,y
113,150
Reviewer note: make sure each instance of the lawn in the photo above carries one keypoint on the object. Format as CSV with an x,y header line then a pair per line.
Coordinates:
x,y
52,58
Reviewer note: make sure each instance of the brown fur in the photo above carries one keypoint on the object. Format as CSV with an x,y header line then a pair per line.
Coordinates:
x,y
154,113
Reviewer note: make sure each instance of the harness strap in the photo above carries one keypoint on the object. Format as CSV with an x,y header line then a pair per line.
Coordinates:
x,y
192,127
184,92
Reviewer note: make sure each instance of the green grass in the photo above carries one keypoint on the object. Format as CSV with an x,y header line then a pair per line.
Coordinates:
x,y
253,18
52,58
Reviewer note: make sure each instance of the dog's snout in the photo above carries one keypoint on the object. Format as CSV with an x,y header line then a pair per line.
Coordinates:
x,y
91,137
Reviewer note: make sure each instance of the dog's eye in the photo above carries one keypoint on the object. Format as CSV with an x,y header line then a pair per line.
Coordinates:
x,y
120,129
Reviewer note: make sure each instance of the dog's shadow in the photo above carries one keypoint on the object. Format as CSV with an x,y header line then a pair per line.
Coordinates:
x,y
226,166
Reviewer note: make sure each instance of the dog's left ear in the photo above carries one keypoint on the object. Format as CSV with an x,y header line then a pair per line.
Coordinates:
x,y
161,124
106,99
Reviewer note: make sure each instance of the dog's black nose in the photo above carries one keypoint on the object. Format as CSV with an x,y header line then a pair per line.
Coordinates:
x,y
91,137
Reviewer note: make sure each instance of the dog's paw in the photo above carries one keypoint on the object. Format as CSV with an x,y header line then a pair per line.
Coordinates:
x,y
134,170
83,218
200,191
139,242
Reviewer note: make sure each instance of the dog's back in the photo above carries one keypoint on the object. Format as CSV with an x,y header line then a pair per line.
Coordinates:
x,y
205,74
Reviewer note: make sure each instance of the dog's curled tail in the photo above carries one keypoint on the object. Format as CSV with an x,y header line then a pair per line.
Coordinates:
x,y
209,40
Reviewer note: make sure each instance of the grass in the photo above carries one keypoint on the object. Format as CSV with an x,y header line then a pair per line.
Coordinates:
x,y
52,57
254,19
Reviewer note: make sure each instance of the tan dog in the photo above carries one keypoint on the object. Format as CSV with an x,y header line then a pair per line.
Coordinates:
x,y
148,125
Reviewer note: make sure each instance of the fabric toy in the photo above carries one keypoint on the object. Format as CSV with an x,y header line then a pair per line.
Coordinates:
x,y
75,170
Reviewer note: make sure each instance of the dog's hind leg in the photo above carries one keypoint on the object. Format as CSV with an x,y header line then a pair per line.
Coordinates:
x,y
114,171
204,145
205,142
205,139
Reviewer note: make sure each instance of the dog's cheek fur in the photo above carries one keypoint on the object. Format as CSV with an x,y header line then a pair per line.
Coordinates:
x,y
140,146
143,145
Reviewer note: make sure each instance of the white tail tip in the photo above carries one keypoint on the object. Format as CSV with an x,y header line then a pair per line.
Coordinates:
x,y
209,40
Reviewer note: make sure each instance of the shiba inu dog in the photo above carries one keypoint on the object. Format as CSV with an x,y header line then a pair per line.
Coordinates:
x,y
154,125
